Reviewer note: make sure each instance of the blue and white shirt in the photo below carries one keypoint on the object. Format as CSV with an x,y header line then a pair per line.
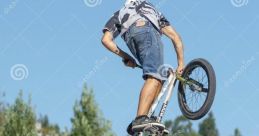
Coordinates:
x,y
130,13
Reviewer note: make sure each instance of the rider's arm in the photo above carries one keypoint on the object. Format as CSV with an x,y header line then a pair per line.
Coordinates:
x,y
177,42
107,41
168,30
110,32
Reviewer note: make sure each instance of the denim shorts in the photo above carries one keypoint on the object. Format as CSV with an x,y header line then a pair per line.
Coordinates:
x,y
145,44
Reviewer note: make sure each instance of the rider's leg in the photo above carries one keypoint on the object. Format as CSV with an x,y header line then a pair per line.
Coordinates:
x,y
148,94
158,90
146,45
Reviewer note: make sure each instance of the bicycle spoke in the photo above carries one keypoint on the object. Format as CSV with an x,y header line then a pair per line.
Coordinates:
x,y
195,99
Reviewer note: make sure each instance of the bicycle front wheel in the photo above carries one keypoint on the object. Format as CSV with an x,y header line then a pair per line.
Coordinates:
x,y
195,99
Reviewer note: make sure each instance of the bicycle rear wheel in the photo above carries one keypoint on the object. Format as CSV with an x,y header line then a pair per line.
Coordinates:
x,y
195,100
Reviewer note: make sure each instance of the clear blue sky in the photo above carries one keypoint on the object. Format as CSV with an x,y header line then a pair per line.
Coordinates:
x,y
59,43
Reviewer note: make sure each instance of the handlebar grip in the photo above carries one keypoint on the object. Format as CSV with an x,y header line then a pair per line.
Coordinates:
x,y
139,66
125,61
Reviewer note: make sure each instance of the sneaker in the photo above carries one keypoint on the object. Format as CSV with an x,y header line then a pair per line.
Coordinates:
x,y
142,122
154,118
129,129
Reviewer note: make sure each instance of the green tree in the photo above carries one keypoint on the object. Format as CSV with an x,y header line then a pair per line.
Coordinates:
x,y
87,120
48,129
65,132
2,118
237,132
1,114
1,123
181,126
208,126
20,119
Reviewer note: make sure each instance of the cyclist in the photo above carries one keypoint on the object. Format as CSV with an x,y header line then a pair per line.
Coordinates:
x,y
141,25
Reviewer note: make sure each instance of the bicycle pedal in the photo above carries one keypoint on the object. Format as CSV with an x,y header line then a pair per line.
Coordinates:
x,y
152,134
153,129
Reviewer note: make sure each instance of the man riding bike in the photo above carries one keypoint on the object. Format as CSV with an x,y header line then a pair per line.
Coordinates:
x,y
141,26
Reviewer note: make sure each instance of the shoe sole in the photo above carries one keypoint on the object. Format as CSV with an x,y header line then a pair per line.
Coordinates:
x,y
166,132
139,128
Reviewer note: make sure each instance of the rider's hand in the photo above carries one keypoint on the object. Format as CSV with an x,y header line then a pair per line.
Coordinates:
x,y
130,62
180,69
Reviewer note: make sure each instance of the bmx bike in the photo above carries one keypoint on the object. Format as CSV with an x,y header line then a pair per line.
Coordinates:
x,y
196,91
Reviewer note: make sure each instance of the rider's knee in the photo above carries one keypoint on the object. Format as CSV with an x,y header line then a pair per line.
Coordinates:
x,y
153,79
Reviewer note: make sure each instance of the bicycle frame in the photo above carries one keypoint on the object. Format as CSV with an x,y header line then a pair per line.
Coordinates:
x,y
167,87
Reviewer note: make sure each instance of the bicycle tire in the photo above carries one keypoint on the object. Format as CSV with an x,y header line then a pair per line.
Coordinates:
x,y
201,112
